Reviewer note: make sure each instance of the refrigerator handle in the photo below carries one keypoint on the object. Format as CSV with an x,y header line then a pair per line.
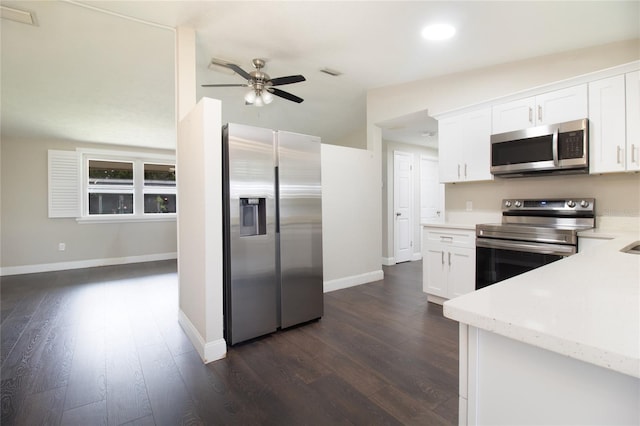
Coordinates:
x,y
277,196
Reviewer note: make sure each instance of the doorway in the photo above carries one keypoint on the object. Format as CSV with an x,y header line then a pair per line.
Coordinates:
x,y
402,206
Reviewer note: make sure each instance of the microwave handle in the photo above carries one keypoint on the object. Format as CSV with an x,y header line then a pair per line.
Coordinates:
x,y
554,146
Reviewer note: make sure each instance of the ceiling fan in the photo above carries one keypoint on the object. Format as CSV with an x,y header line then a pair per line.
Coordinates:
x,y
261,84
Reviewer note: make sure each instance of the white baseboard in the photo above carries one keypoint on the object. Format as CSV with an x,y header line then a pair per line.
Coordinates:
x,y
390,261
353,280
79,264
208,351
436,299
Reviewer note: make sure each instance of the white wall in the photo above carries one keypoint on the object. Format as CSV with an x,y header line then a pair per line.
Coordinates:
x,y
388,147
200,239
356,139
350,216
30,239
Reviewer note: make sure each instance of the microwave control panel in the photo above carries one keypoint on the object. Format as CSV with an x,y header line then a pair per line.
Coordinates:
x,y
571,145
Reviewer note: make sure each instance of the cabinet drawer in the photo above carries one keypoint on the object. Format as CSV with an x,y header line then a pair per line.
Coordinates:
x,y
450,236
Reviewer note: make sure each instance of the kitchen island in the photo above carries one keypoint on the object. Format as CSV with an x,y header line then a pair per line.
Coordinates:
x,y
557,345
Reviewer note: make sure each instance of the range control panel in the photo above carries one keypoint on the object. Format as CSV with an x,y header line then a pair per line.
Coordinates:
x,y
550,205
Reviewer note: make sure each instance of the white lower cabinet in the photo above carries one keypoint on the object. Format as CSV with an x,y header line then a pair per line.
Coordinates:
x,y
507,382
449,262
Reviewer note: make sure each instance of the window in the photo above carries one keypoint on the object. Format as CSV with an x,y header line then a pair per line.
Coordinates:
x,y
128,186
159,188
110,187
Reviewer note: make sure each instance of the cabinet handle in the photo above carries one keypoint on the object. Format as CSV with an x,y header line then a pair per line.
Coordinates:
x,y
458,171
442,256
540,113
530,115
618,151
633,153
449,259
465,170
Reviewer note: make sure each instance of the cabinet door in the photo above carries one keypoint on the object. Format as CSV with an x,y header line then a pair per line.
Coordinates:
x,y
435,271
607,125
462,271
633,120
464,147
562,105
449,135
476,145
549,108
513,115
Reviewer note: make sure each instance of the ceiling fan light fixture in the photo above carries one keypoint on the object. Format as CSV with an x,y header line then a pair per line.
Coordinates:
x,y
438,32
258,102
250,97
267,97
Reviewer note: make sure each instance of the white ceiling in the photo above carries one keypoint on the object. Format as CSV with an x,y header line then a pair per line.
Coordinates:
x,y
86,75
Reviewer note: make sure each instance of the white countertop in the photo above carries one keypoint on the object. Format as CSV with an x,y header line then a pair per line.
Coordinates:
x,y
586,306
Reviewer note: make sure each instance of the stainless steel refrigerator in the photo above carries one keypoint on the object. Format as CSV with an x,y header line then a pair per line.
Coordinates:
x,y
273,230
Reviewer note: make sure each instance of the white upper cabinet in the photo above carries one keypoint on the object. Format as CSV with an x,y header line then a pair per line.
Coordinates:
x,y
513,115
607,132
547,108
464,146
632,80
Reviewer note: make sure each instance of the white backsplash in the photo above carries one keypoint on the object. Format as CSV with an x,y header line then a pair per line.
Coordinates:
x,y
618,223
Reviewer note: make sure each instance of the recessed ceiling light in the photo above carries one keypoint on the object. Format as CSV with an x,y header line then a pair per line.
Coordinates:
x,y
436,32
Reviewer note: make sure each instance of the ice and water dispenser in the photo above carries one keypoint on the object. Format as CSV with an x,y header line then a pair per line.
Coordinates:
x,y
253,216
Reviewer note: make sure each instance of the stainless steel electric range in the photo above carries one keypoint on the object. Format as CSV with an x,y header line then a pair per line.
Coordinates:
x,y
533,233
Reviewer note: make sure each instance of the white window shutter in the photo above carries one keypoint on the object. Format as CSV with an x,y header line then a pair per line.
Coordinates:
x,y
64,184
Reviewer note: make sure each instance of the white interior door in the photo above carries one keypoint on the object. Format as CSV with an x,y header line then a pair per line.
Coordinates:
x,y
431,192
402,202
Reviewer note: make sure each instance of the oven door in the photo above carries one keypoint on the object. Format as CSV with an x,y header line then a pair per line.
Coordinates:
x,y
497,260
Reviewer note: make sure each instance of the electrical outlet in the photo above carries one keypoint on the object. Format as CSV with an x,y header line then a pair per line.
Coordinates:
x,y
62,246
469,206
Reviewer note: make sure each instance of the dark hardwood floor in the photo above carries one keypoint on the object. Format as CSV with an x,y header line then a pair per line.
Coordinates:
x,y
103,346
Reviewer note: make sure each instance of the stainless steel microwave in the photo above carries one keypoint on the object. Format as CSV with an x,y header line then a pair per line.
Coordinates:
x,y
558,148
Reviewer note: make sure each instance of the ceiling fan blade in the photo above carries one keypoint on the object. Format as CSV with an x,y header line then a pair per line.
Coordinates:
x,y
239,71
225,85
279,81
286,95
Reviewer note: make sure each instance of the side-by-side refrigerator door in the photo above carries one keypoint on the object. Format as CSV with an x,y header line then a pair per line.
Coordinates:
x,y
251,282
300,205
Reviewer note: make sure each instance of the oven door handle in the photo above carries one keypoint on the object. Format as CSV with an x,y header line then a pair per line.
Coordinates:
x,y
530,247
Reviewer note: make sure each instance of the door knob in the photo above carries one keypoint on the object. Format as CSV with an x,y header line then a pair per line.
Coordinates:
x,y
398,214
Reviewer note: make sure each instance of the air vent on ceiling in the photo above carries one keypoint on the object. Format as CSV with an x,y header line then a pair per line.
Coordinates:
x,y
17,15
331,72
